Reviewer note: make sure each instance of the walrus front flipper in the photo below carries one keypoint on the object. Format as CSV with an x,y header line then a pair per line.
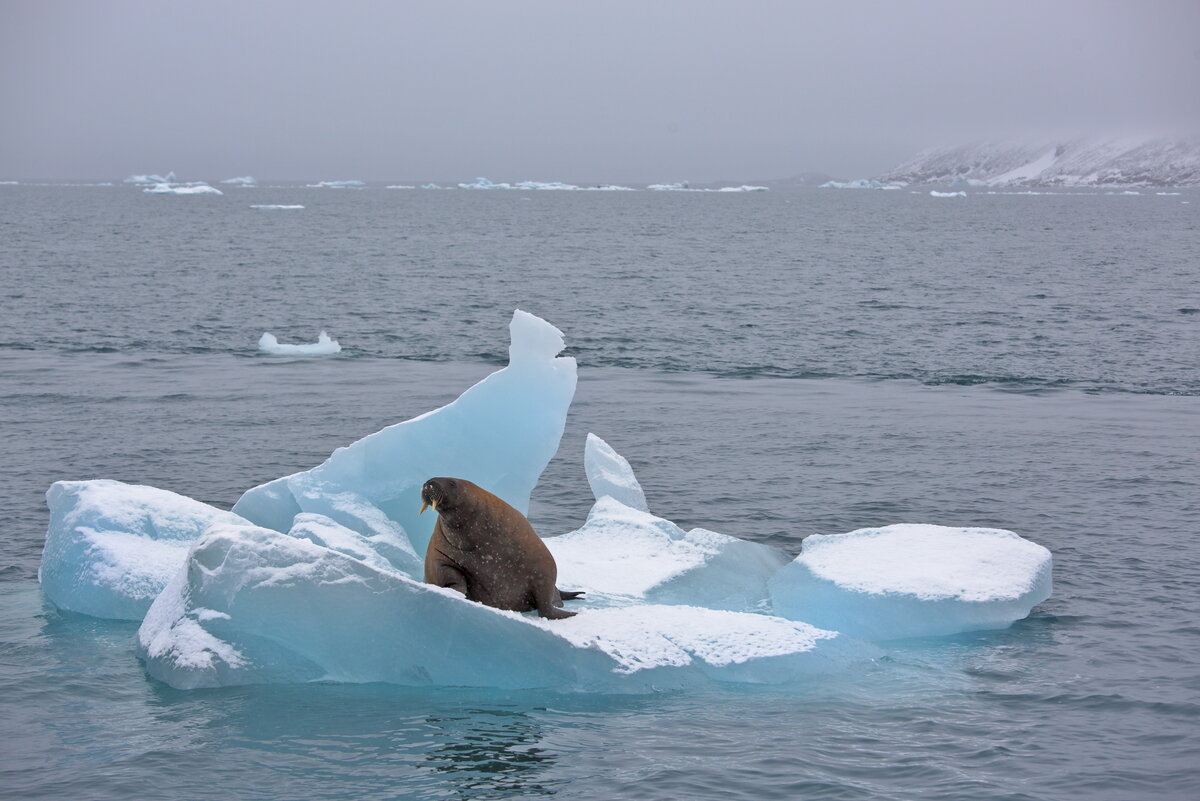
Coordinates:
x,y
570,595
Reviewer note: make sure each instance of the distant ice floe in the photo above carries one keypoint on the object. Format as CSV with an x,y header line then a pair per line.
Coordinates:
x,y
684,186
400,186
324,346
430,186
194,188
276,206
245,180
151,179
861,183
1157,193
9,183
1126,192
935,193
336,185
963,181
484,183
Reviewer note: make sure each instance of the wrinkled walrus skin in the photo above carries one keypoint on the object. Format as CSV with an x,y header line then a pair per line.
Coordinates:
x,y
488,551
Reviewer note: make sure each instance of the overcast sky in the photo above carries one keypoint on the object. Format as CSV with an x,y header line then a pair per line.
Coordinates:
x,y
577,91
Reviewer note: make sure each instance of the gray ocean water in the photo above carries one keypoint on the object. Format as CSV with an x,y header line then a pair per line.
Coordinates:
x,y
772,364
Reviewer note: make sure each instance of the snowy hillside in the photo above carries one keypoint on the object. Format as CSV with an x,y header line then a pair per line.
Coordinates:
x,y
1079,162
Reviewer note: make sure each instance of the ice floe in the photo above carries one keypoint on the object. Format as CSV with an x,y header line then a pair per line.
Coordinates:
x,y
336,185
153,178
400,186
243,180
276,206
194,188
935,193
861,183
324,346
912,580
484,183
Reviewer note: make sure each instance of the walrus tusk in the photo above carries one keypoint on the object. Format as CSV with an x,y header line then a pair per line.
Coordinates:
x,y
424,506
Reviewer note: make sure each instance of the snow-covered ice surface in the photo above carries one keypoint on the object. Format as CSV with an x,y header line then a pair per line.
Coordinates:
x,y
253,605
195,188
684,186
111,547
500,434
276,206
324,346
912,580
935,193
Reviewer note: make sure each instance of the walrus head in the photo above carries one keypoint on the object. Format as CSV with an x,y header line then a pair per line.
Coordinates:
x,y
441,493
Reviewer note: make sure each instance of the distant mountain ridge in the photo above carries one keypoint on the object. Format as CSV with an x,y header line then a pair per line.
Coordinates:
x,y
1141,161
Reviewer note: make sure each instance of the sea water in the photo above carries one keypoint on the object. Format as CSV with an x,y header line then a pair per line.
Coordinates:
x,y
773,365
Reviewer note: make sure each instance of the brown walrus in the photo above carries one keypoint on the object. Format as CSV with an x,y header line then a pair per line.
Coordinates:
x,y
487,550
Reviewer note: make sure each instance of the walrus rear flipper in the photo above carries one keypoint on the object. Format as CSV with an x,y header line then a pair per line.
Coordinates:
x,y
554,613
570,595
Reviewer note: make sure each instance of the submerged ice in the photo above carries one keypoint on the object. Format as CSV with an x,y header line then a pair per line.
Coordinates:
x,y
318,575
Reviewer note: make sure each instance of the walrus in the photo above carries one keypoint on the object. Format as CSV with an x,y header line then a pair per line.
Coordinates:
x,y
488,551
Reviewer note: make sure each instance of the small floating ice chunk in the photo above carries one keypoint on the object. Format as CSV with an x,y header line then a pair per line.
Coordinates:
x,y
111,547
9,183
253,605
500,434
401,186
324,346
935,193
276,206
913,581
243,180
430,186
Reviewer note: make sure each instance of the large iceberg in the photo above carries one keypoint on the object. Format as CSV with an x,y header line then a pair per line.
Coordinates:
x,y
111,547
317,575
324,346
252,605
500,434
912,580
624,554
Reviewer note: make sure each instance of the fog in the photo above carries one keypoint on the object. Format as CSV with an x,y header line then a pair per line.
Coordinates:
x,y
591,91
